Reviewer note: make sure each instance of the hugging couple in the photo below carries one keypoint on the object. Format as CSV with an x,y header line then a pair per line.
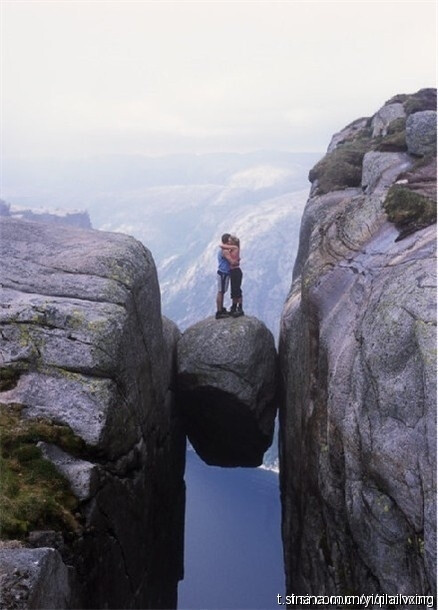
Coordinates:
x,y
229,271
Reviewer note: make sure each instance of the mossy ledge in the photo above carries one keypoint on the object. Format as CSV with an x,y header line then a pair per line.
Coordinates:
x,y
342,167
8,379
408,210
34,495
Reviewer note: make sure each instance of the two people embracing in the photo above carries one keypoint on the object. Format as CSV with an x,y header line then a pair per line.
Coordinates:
x,y
229,272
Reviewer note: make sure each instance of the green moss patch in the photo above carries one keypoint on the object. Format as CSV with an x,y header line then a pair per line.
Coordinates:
x,y
8,379
341,168
34,495
424,99
395,139
409,210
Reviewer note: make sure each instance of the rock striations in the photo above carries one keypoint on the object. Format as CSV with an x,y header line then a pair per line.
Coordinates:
x,y
84,351
227,374
357,356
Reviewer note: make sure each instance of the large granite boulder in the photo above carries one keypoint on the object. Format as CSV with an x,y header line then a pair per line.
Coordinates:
x,y
357,358
421,133
227,389
83,349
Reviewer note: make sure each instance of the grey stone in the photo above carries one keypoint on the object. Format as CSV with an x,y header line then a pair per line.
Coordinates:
x,y
384,117
348,133
46,538
33,578
357,419
421,133
81,328
227,388
81,474
380,169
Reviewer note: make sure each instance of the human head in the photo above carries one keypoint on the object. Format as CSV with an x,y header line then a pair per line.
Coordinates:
x,y
225,237
234,240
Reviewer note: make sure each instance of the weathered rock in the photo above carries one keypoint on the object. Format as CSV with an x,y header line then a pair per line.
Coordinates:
x,y
357,423
227,389
421,133
376,164
384,117
33,578
347,134
81,330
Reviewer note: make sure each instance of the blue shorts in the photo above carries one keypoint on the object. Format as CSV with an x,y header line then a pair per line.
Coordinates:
x,y
223,281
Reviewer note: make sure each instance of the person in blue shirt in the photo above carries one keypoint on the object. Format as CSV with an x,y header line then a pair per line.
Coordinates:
x,y
223,279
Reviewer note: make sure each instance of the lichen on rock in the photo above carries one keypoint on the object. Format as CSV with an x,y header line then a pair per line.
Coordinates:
x,y
82,346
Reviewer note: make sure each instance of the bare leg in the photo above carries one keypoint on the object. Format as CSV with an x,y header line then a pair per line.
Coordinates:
x,y
219,301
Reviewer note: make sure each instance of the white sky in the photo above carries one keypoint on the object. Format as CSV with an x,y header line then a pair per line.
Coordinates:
x,y
88,77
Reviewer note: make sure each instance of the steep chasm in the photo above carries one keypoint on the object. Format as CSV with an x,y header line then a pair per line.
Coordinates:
x,y
357,359
87,365
227,389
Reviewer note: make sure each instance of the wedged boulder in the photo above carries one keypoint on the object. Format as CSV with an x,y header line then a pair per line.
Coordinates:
x,y
227,372
88,372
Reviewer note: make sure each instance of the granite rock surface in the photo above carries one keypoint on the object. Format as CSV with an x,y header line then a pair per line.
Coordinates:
x,y
227,374
81,330
357,359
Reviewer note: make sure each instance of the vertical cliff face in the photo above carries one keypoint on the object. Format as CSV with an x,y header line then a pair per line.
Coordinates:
x,y
357,356
85,357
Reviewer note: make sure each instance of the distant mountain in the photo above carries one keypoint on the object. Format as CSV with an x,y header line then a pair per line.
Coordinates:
x,y
74,218
179,206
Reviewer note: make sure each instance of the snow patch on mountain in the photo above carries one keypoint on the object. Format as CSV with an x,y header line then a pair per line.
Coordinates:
x,y
260,177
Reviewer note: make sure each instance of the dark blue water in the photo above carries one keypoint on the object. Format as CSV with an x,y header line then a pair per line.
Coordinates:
x,y
233,553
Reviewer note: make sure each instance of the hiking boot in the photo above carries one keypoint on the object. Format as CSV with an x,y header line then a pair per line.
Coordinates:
x,y
237,313
222,314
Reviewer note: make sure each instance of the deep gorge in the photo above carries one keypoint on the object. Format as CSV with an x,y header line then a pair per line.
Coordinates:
x,y
111,389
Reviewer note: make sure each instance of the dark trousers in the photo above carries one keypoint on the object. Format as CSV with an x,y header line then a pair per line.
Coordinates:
x,y
236,282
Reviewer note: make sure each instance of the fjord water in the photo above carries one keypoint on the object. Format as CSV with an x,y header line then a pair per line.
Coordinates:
x,y
233,553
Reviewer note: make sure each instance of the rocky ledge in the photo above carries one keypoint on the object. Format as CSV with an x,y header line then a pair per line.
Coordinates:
x,y
88,418
227,373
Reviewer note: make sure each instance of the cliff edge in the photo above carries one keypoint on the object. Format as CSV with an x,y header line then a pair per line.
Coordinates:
x,y
89,422
357,358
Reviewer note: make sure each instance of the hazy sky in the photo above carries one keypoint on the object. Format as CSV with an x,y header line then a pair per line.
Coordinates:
x,y
89,77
